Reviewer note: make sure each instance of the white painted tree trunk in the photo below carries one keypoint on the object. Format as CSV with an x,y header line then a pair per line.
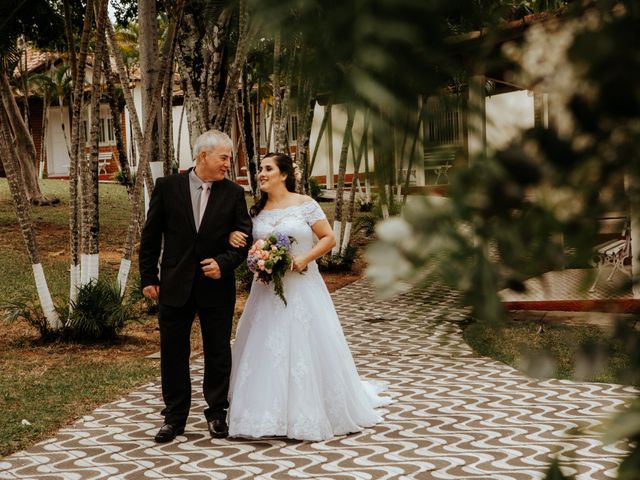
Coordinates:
x,y
123,275
44,295
89,268
74,283
346,238
337,231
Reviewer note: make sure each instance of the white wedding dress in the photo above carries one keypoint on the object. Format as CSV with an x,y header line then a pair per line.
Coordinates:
x,y
293,374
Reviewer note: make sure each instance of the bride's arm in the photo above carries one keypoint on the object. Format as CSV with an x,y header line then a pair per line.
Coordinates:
x,y
326,241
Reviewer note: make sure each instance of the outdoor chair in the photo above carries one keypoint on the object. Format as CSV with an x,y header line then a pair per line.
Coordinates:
x,y
612,253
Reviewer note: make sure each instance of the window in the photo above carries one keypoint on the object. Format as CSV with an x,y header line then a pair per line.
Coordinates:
x,y
105,130
443,122
293,129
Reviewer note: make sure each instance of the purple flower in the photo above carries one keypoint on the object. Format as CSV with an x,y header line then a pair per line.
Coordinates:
x,y
282,240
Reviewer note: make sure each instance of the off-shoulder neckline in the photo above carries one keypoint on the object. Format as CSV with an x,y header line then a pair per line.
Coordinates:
x,y
288,208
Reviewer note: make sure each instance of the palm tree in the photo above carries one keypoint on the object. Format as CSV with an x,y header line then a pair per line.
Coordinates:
x,y
342,169
12,169
357,160
145,153
26,150
89,173
74,164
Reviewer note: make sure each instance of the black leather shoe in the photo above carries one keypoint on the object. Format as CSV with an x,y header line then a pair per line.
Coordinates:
x,y
218,428
168,432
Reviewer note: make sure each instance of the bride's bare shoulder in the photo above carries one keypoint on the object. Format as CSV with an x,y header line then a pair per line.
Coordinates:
x,y
302,199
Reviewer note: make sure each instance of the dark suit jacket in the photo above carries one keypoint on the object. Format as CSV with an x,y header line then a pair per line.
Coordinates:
x,y
170,217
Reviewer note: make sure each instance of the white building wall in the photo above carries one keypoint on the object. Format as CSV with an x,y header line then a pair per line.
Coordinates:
x,y
508,115
58,159
331,142
181,135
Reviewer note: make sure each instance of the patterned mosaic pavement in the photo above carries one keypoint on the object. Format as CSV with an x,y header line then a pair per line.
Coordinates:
x,y
455,416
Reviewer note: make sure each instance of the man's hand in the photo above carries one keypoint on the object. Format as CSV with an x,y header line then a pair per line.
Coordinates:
x,y
152,292
210,268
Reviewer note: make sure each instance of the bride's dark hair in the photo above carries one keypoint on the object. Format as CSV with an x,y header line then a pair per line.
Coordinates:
x,y
285,165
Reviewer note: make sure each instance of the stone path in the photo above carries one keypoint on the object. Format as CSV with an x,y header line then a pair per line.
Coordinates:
x,y
455,416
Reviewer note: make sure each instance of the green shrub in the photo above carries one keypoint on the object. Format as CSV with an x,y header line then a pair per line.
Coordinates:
x,y
33,315
99,312
315,191
120,178
338,262
365,223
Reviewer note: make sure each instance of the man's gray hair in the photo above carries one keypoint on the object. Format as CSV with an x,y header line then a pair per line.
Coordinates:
x,y
210,140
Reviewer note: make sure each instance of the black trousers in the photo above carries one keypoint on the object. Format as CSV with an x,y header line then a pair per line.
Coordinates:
x,y
175,349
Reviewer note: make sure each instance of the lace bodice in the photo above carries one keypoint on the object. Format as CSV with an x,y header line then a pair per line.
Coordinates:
x,y
294,221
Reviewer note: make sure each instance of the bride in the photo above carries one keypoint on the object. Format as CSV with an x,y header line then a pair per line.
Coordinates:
x,y
292,371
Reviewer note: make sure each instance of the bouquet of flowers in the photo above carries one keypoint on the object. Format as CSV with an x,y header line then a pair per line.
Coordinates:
x,y
269,260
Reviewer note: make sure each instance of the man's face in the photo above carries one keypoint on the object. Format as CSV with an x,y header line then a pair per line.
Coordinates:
x,y
214,163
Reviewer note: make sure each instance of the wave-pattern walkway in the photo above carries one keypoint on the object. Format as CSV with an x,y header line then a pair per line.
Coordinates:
x,y
455,416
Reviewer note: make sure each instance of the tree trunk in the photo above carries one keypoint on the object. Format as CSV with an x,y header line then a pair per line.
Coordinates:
x,y
68,31
148,23
90,216
74,171
323,127
231,90
249,136
342,170
275,114
215,79
126,91
46,102
167,124
357,160
123,162
191,103
23,143
305,117
412,153
134,220
12,170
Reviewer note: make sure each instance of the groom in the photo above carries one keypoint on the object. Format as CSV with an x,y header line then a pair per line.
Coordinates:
x,y
193,213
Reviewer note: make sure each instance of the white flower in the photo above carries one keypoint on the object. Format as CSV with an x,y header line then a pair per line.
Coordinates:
x,y
394,230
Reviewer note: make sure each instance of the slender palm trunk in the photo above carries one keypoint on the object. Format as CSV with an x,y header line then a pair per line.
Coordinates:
x,y
274,128
191,103
74,170
357,160
25,148
412,152
323,127
136,197
90,213
149,66
117,127
305,116
342,169
46,101
12,170
167,124
229,98
124,82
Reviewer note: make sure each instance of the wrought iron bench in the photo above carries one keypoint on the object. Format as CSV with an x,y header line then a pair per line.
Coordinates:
x,y
614,253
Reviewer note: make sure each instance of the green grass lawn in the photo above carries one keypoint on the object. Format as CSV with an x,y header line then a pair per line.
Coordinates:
x,y
555,352
38,398
50,385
